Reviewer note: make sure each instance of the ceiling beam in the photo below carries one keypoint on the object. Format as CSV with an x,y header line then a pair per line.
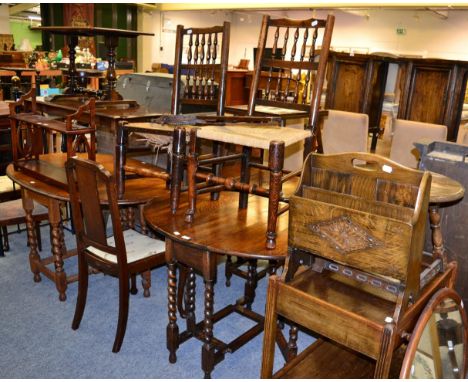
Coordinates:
x,y
18,8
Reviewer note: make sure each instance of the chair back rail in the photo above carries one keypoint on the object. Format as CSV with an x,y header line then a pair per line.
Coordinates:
x,y
295,71
87,182
202,56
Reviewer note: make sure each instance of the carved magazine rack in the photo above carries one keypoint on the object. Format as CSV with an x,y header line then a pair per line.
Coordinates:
x,y
356,274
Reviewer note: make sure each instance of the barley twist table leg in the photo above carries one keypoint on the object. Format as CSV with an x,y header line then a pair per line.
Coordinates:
x,y
34,258
190,301
208,360
172,331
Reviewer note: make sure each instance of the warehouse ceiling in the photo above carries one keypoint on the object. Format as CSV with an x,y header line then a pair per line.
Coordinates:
x,y
30,11
320,4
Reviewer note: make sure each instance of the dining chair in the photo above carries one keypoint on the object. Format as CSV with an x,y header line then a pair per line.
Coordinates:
x,y
200,64
287,83
289,70
405,133
344,131
123,254
199,83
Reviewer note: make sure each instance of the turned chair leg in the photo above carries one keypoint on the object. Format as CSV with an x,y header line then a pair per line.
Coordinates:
x,y
82,291
228,270
2,253
5,243
133,287
123,314
146,283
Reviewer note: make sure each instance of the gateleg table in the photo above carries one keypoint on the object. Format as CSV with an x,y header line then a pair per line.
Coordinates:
x,y
49,188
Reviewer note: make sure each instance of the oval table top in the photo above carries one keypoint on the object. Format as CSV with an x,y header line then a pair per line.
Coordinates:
x,y
445,189
137,190
220,226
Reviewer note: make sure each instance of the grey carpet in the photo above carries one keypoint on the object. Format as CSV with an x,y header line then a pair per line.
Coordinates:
x,y
36,339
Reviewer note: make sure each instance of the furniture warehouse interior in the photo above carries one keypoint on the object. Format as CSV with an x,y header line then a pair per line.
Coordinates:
x,y
233,190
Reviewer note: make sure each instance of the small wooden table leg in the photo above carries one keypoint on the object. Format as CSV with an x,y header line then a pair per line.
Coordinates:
x,y
438,250
208,350
111,42
190,301
34,258
251,283
72,86
172,331
57,233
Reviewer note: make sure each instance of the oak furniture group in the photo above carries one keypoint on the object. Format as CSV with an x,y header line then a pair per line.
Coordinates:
x,y
349,241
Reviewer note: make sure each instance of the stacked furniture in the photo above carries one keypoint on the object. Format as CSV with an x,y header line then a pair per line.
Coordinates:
x,y
450,159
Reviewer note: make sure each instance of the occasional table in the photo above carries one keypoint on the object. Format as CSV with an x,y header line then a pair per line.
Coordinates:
x,y
111,40
443,190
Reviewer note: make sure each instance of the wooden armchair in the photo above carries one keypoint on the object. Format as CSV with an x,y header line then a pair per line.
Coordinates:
x,y
123,255
356,274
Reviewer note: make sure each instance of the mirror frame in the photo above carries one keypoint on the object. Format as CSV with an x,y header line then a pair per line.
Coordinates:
x,y
421,324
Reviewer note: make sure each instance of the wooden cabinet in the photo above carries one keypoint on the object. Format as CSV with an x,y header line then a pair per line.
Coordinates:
x,y
427,90
357,84
433,91
236,91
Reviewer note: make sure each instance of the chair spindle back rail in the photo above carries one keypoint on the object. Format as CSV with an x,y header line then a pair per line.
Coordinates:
x,y
295,70
202,56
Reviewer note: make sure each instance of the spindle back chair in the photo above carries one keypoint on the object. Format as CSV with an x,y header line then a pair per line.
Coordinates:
x,y
292,66
201,63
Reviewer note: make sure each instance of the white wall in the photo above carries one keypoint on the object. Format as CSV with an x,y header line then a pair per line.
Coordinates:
x,y
427,34
4,19
166,26
148,21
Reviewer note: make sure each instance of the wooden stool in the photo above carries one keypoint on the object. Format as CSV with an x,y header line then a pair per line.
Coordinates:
x,y
12,212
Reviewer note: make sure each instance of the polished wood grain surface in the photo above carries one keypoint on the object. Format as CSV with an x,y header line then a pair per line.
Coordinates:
x,y
52,180
112,112
445,189
220,226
